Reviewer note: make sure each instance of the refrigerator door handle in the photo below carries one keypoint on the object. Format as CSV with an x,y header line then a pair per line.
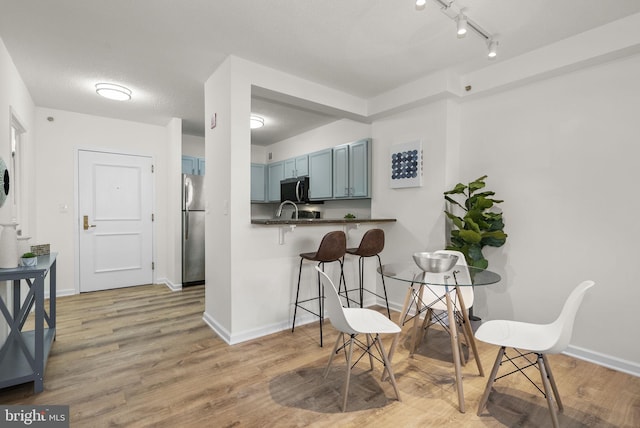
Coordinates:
x,y
186,224
186,192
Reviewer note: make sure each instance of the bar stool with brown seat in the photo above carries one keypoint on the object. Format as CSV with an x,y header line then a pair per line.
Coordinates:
x,y
371,245
332,249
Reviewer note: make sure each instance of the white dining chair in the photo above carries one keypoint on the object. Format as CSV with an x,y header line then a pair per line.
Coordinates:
x,y
354,321
532,339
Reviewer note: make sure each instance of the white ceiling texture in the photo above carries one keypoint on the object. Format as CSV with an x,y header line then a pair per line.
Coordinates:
x,y
164,50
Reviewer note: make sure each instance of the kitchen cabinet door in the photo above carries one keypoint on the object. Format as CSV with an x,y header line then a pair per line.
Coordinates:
x,y
351,170
296,167
275,173
192,165
302,165
290,168
189,165
341,171
359,169
320,175
258,182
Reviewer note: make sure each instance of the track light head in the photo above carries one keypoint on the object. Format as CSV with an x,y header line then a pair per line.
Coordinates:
x,y
461,22
493,48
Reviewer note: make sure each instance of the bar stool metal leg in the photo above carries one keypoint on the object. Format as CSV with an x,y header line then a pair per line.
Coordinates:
x,y
332,249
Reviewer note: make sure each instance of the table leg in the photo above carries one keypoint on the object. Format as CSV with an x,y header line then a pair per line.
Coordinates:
x,y
403,314
52,292
38,381
416,322
455,350
470,336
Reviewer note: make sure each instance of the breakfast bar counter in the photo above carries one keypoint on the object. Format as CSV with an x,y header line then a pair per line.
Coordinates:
x,y
318,221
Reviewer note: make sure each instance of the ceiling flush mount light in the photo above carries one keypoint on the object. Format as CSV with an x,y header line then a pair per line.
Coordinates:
x,y
462,25
113,91
256,121
420,4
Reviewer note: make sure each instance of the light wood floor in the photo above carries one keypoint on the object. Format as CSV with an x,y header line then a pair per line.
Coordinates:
x,y
142,356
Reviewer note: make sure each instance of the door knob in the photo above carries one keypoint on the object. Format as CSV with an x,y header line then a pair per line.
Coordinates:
x,y
85,223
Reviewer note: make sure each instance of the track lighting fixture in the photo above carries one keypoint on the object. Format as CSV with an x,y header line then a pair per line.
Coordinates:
x,y
493,48
463,23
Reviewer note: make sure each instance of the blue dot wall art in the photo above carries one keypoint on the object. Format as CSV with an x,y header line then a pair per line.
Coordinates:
x,y
406,165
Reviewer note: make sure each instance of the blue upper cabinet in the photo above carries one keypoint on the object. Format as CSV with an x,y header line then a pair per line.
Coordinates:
x,y
341,172
320,175
359,169
275,173
351,169
302,166
296,167
258,182
192,165
189,165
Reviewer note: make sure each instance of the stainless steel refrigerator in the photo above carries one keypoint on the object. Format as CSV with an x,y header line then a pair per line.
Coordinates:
x,y
193,205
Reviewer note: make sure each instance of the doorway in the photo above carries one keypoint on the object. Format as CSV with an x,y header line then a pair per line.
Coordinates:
x,y
115,200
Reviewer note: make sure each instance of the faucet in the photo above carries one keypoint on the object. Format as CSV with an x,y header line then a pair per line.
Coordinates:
x,y
279,212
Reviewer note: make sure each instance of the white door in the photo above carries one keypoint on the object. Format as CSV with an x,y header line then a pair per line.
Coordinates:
x,y
115,220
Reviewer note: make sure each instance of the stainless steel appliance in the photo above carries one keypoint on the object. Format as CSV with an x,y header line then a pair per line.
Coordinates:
x,y
193,205
295,189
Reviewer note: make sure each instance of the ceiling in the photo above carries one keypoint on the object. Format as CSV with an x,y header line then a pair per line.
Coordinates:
x,y
164,50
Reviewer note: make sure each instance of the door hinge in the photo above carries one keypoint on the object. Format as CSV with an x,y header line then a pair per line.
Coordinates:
x,y
153,266
153,217
152,168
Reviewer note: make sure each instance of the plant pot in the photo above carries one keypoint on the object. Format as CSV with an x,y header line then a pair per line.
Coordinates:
x,y
28,261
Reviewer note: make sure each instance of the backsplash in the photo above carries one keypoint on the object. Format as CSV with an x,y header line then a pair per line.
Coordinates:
x,y
361,208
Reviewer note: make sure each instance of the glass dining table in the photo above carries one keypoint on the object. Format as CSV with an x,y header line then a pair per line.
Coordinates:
x,y
442,288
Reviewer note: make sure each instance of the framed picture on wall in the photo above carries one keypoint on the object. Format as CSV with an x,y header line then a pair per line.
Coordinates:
x,y
406,165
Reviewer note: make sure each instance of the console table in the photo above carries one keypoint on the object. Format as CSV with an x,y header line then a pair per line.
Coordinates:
x,y
23,356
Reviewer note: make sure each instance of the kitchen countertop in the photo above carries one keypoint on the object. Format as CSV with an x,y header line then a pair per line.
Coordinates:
x,y
313,221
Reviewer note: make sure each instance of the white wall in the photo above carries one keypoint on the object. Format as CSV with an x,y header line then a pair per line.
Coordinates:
x,y
15,96
420,225
169,252
563,153
250,277
193,145
56,147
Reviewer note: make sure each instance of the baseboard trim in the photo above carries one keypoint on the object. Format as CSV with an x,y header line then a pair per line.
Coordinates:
x,y
614,363
244,336
61,293
217,328
170,285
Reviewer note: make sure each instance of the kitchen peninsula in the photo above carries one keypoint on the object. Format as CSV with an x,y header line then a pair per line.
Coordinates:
x,y
318,221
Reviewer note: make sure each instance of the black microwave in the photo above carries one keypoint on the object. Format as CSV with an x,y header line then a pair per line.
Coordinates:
x,y
295,190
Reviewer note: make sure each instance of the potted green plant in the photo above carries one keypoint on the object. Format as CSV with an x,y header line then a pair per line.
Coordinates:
x,y
478,226
28,259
